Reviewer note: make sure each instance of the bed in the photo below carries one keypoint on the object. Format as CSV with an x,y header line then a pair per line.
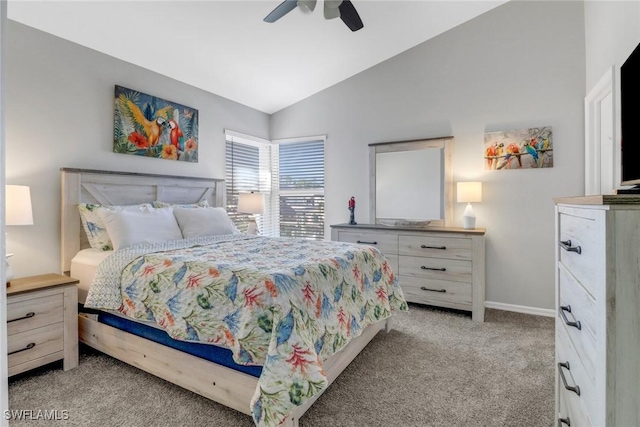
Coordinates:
x,y
210,379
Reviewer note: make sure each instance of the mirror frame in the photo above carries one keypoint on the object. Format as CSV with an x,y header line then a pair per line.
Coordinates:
x,y
421,144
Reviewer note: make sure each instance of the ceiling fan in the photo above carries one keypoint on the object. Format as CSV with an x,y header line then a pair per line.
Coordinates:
x,y
332,9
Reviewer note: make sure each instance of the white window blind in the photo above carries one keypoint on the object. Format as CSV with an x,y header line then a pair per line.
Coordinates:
x,y
248,168
301,189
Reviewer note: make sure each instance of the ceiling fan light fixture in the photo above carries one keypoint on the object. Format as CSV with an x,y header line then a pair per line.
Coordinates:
x,y
331,9
307,6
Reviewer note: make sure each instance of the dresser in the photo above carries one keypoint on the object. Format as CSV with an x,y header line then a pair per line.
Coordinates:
x,y
438,266
42,322
598,311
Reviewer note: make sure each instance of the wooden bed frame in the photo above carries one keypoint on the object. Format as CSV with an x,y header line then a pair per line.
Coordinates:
x,y
221,384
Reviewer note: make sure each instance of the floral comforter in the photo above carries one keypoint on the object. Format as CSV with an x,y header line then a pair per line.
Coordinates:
x,y
284,304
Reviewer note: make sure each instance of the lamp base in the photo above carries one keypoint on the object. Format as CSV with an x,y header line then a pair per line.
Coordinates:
x,y
252,230
469,218
8,273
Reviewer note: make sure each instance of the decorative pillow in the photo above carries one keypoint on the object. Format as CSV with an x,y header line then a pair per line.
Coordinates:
x,y
204,222
200,204
128,228
95,228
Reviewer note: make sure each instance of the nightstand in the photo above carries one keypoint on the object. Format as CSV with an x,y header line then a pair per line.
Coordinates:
x,y
42,322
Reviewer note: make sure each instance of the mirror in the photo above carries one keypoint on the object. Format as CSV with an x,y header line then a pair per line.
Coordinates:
x,y
411,181
602,130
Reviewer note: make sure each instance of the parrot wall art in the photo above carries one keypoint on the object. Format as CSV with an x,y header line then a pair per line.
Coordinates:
x,y
519,149
149,126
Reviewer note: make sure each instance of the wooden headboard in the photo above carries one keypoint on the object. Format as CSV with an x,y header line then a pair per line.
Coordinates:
x,y
123,188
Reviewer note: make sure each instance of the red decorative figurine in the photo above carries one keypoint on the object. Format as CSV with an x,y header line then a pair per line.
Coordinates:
x,y
352,208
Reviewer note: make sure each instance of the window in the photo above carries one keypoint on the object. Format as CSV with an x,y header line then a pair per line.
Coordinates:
x,y
248,168
301,189
291,176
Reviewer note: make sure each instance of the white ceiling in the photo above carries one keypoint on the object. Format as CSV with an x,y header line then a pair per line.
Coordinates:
x,y
224,47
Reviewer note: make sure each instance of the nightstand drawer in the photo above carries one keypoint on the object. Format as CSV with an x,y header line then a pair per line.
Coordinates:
x,y
435,247
34,313
36,343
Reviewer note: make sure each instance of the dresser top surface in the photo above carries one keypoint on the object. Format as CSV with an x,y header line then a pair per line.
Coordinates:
x,y
601,200
475,231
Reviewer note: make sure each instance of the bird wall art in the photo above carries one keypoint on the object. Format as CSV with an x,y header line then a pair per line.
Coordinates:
x,y
149,126
519,149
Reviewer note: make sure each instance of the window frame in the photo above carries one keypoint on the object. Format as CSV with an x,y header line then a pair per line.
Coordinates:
x,y
270,220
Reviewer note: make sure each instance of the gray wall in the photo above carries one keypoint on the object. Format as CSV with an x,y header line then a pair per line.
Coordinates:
x,y
519,65
59,104
612,31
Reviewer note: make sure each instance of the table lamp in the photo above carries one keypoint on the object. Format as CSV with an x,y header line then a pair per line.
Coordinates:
x,y
469,192
17,212
251,203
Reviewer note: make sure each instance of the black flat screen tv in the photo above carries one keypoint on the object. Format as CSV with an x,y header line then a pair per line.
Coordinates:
x,y
630,118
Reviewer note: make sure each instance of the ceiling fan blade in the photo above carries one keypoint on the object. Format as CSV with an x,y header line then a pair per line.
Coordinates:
x,y
307,6
350,16
331,10
283,8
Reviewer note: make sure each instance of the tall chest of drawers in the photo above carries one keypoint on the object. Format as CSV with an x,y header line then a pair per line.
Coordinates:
x,y
598,311
439,266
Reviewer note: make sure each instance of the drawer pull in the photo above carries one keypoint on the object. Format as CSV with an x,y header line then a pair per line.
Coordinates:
x,y
28,316
566,421
367,243
566,245
575,324
433,290
28,347
442,248
432,268
575,388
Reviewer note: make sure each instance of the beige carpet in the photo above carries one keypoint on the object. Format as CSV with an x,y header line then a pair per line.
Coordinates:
x,y
435,369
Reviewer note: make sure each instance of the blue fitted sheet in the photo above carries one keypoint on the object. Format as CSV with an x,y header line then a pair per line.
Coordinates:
x,y
212,353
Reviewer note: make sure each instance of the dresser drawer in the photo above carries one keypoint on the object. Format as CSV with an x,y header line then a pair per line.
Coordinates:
x,y
587,233
435,247
35,343
584,312
571,415
434,292
386,243
576,375
435,268
33,313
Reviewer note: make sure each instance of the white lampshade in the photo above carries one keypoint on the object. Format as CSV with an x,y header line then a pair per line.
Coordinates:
x,y
18,205
307,6
251,203
469,192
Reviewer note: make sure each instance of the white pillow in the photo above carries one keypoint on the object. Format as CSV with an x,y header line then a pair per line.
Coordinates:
x,y
95,228
128,228
204,222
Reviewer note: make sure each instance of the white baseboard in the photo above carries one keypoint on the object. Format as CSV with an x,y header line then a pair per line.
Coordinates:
x,y
521,309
